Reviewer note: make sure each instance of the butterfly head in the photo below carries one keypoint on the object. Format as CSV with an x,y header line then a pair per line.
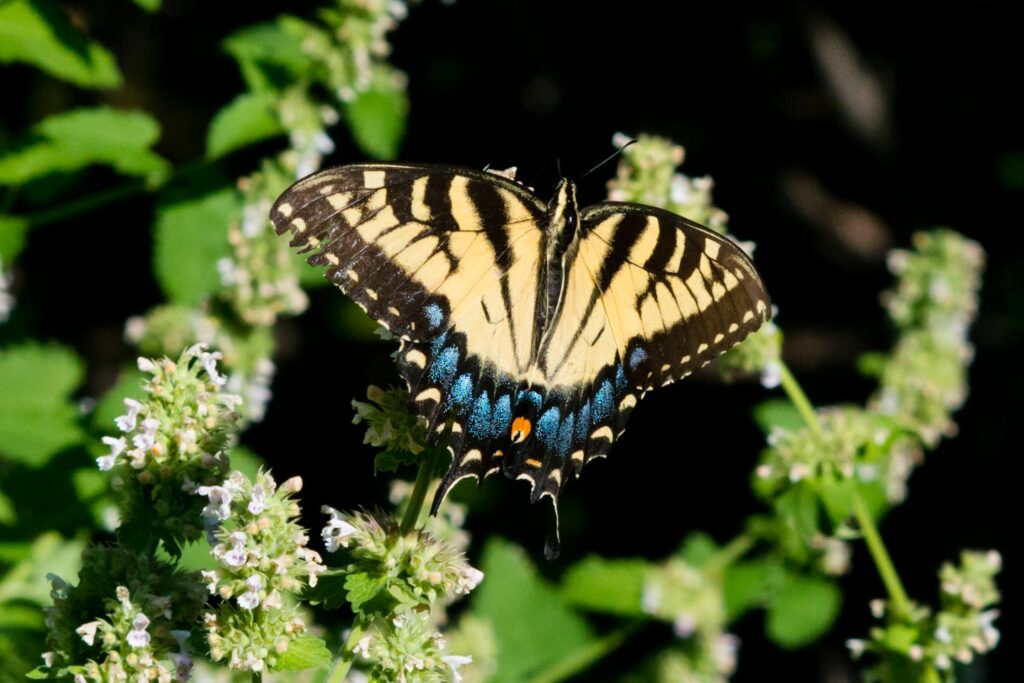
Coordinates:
x,y
563,213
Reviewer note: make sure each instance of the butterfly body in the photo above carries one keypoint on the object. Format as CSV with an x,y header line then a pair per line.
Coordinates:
x,y
529,330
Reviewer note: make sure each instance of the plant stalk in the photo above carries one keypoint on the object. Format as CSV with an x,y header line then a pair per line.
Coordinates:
x,y
348,653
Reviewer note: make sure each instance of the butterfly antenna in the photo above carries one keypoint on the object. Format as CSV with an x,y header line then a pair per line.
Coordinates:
x,y
618,151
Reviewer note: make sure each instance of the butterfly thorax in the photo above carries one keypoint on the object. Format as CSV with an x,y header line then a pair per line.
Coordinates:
x,y
559,242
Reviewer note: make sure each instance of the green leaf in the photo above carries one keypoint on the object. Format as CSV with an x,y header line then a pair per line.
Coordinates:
x,y
26,581
8,516
270,55
601,585
698,549
533,624
802,610
21,617
38,32
376,118
329,590
749,584
777,413
247,119
36,418
148,5
361,588
305,652
73,140
191,236
12,238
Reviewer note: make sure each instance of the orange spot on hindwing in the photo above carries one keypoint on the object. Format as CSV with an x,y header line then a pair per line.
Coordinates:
x,y
520,429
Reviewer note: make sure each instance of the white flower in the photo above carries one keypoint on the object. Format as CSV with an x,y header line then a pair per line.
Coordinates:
x,y
146,364
138,637
126,422
771,374
237,556
88,631
250,599
362,648
219,507
211,577
469,579
684,625
454,662
209,363
105,463
258,501
147,438
337,532
49,658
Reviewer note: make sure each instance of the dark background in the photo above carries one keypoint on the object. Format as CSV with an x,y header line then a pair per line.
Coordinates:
x,y
755,97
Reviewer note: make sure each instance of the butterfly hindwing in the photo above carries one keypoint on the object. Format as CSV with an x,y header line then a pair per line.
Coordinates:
x,y
525,339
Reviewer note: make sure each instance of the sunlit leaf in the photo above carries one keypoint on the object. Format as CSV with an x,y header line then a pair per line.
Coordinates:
x,y
73,140
304,652
532,622
36,418
602,585
49,553
247,119
376,118
270,55
802,610
191,236
12,238
38,32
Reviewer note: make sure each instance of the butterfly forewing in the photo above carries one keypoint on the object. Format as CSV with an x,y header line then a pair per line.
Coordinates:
x,y
452,261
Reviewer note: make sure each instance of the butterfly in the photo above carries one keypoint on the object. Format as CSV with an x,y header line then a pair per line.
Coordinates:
x,y
528,329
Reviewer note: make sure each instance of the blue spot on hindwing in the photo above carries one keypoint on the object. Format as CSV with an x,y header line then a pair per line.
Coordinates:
x,y
501,416
442,370
480,420
547,427
583,423
603,402
462,391
620,379
438,343
637,357
434,315
565,436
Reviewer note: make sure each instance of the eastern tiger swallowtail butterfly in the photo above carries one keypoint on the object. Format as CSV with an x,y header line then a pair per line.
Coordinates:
x,y
533,327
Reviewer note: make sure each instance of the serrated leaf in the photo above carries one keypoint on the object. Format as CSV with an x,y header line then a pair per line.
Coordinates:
x,y
12,238
533,624
36,418
777,413
247,119
802,610
376,118
191,236
38,32
270,55
602,585
361,588
304,652
50,553
329,590
70,141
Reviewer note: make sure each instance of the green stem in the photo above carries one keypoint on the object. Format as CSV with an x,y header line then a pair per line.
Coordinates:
x,y
873,540
886,569
348,653
419,494
728,554
798,398
579,661
257,677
